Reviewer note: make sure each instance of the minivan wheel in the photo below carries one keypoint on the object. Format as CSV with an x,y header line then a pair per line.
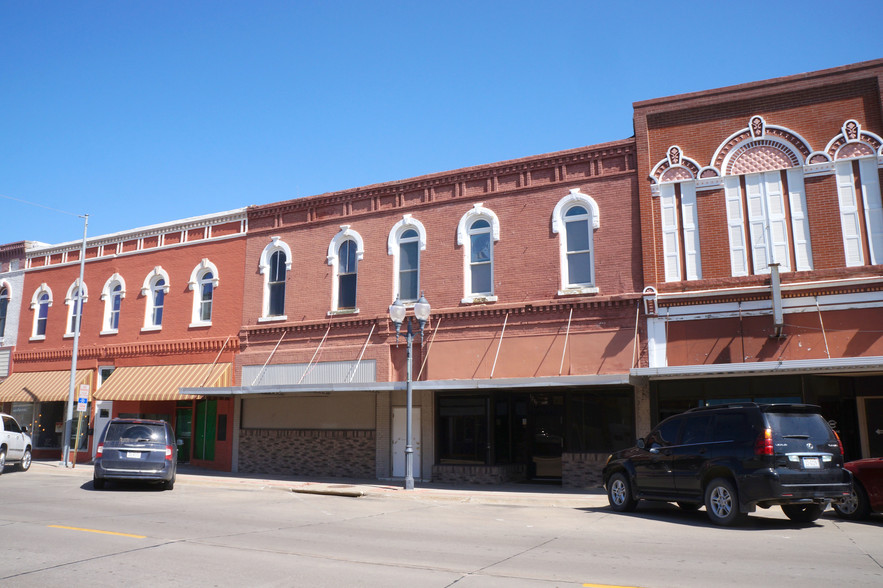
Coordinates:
x,y
25,462
722,503
803,513
856,507
619,494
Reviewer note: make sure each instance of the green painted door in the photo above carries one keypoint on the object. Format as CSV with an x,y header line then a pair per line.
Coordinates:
x,y
205,430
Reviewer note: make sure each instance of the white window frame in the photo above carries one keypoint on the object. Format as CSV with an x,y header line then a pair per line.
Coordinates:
x,y
35,306
559,226
347,233
4,285
148,290
464,232
393,249
107,296
71,306
276,244
195,284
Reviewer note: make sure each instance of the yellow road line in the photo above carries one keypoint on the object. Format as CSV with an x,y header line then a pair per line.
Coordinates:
x,y
98,531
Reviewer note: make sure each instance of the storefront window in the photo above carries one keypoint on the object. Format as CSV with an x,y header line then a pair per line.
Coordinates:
x,y
49,427
600,421
463,434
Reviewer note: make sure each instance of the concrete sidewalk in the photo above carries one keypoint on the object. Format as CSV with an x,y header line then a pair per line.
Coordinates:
x,y
520,494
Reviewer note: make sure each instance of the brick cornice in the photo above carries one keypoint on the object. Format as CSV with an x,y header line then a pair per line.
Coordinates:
x,y
109,352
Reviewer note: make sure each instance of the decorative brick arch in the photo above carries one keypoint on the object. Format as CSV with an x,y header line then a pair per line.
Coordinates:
x,y
760,147
675,167
853,142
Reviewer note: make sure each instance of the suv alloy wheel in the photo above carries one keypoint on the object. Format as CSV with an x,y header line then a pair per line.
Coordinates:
x,y
722,502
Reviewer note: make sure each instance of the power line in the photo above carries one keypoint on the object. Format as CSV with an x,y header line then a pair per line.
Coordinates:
x,y
41,206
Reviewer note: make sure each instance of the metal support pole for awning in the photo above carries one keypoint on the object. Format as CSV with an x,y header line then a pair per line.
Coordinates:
x,y
822,323
264,367
429,348
635,345
352,373
309,365
500,344
214,363
566,335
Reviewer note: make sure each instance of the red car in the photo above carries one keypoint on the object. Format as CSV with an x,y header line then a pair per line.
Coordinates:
x,y
867,489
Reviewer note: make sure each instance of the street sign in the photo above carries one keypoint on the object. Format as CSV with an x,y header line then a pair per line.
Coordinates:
x,y
81,404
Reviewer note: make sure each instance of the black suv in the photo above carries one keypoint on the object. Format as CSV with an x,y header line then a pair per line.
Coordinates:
x,y
733,458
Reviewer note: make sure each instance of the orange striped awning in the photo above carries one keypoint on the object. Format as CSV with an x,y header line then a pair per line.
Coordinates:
x,y
42,386
161,382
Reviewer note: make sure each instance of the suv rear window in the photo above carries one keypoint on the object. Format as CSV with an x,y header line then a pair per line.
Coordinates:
x,y
135,433
796,429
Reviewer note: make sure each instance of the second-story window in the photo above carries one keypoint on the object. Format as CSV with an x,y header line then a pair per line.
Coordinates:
x,y
154,290
113,294
276,284
409,265
575,219
477,231
203,282
347,273
76,296
4,307
40,303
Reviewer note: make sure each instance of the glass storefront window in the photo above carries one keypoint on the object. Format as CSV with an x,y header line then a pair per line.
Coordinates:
x,y
463,434
49,427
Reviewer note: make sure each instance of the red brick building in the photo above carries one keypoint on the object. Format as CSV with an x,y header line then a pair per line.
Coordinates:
x,y
763,246
160,309
533,271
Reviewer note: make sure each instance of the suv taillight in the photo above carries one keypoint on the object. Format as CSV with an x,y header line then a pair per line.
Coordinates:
x,y
839,442
764,443
169,450
100,450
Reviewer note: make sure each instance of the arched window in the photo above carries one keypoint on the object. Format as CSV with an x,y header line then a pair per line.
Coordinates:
x,y
40,304
4,307
476,232
274,266
154,289
406,240
113,293
344,253
77,294
575,218
203,281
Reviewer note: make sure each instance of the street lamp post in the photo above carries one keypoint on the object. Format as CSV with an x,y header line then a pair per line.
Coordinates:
x,y
397,312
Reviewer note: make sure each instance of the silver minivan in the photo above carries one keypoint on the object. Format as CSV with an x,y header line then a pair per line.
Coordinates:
x,y
136,449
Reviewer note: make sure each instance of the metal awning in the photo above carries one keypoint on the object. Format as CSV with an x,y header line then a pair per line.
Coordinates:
x,y
51,386
432,385
837,366
161,382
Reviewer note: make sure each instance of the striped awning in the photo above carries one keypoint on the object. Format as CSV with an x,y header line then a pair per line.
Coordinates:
x,y
161,382
42,386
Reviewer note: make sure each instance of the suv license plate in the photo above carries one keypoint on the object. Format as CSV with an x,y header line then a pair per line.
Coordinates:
x,y
137,455
811,463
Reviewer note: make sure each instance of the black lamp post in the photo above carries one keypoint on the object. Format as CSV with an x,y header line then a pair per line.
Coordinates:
x,y
397,312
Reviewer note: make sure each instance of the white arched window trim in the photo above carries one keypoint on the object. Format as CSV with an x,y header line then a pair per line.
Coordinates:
x,y
107,297
35,306
478,211
147,291
392,247
70,302
346,234
196,278
276,244
575,198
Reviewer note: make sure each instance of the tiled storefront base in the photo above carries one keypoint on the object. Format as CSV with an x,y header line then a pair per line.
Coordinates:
x,y
478,474
308,452
582,470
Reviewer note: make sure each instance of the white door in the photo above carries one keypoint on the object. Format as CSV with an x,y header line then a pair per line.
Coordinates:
x,y
103,412
399,431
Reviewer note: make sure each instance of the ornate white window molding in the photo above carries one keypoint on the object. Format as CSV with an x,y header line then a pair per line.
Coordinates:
x,y
112,294
274,269
40,303
204,279
574,220
477,231
155,287
410,234
344,283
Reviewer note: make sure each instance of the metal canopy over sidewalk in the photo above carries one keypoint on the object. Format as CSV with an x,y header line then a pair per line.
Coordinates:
x,y
433,385
51,386
838,366
161,382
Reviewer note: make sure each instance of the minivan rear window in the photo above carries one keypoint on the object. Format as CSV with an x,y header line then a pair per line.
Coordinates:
x,y
135,433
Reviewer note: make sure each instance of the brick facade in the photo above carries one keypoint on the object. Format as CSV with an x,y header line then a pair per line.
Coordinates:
x,y
317,453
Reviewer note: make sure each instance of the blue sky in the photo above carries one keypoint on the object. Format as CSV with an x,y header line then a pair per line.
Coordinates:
x,y
145,111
